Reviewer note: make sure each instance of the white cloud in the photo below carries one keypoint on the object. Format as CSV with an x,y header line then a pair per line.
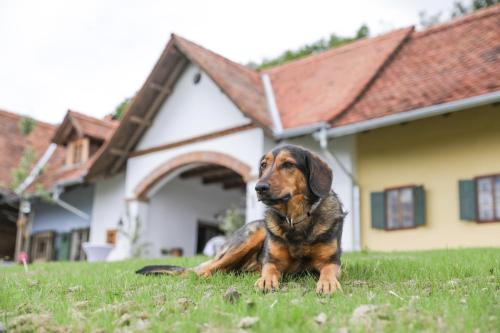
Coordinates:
x,y
89,55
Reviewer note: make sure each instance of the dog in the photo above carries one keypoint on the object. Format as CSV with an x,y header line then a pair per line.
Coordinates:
x,y
301,231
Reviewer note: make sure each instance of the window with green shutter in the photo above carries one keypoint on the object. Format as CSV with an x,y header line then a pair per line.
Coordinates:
x,y
467,193
398,208
480,199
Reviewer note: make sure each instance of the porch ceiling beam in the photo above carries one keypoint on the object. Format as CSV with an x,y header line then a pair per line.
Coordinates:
x,y
149,114
197,171
223,179
233,185
209,173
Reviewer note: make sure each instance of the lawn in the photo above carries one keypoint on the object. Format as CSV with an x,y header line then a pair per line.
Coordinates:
x,y
447,290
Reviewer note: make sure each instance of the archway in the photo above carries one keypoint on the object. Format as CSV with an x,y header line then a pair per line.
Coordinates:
x,y
187,197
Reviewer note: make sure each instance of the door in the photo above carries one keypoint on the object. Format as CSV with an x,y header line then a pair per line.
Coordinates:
x,y
206,231
64,246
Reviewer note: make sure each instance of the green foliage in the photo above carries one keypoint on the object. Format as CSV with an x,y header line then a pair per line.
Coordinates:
x,y
231,220
478,4
459,9
19,174
138,248
318,46
26,125
42,193
120,109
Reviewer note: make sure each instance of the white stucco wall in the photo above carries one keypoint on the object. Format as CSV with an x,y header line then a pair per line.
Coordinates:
x,y
345,150
107,209
176,208
192,110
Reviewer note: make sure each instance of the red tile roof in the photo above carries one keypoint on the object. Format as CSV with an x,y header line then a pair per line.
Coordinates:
x,y
320,87
83,125
448,62
13,143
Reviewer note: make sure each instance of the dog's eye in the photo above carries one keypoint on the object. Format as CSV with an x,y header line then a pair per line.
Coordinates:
x,y
263,165
287,165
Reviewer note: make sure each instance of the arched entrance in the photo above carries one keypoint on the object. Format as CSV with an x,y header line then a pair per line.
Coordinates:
x,y
187,197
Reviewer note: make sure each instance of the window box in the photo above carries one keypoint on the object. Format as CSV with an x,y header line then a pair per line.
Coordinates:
x,y
398,208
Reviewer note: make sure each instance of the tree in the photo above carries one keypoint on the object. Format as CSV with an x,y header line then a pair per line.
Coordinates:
x,y
318,46
120,109
459,9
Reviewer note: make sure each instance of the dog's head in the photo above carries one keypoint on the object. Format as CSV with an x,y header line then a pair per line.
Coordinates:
x,y
290,171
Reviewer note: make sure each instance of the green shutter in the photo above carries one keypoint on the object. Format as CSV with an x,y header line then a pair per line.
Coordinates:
x,y
419,204
64,246
378,210
467,190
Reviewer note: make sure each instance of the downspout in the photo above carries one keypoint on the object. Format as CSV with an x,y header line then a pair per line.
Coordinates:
x,y
322,138
319,133
36,169
59,189
271,104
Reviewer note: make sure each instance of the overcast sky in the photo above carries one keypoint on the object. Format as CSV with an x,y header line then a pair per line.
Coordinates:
x,y
89,55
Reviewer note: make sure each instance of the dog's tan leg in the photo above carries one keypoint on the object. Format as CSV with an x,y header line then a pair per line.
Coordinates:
x,y
239,254
328,282
269,281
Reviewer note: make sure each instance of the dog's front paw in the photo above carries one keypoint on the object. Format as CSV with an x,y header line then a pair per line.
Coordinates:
x,y
327,286
267,283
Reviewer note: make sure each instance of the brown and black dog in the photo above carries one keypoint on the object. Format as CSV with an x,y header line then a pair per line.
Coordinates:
x,y
301,230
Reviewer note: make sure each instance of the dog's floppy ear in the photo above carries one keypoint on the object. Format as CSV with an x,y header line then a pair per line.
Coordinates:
x,y
320,175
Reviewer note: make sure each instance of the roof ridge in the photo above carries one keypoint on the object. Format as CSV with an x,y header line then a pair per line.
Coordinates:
x,y
477,15
336,50
91,118
19,116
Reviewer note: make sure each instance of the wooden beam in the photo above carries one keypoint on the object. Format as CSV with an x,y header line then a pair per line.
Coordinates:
x,y
199,138
223,179
117,152
197,171
140,121
160,88
212,171
232,185
177,71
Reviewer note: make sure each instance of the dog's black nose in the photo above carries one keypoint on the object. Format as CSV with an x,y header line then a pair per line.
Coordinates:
x,y
262,187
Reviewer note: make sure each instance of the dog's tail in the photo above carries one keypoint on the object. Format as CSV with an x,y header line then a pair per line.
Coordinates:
x,y
163,270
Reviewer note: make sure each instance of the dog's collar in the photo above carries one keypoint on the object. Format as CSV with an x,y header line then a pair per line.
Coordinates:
x,y
294,221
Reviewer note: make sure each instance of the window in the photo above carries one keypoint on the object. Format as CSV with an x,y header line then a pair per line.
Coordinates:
x,y
398,208
480,199
111,236
488,198
77,151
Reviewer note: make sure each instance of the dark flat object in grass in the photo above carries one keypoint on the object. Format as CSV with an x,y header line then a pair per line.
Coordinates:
x,y
161,270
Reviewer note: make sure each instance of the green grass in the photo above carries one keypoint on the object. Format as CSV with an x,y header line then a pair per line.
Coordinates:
x,y
448,290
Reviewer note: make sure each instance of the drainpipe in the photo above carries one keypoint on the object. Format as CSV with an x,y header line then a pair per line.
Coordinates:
x,y
319,132
59,189
322,138
36,169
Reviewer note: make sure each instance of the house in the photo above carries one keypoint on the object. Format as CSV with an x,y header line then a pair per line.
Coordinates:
x,y
409,121
13,146
58,222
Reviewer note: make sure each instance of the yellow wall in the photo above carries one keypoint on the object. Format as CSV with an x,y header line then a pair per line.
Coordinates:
x,y
436,153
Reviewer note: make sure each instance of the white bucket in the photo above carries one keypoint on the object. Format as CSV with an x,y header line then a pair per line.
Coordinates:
x,y
96,252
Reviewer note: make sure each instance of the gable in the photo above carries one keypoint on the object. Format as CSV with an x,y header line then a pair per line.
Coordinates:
x,y
193,109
